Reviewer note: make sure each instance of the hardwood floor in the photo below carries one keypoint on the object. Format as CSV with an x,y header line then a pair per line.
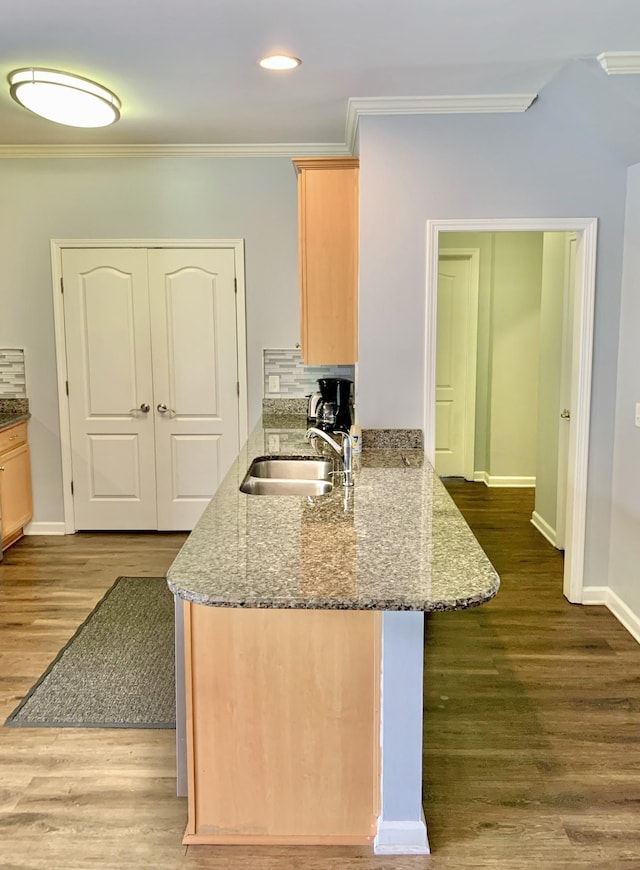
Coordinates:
x,y
532,734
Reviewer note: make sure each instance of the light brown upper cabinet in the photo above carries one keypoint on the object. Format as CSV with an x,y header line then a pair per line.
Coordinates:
x,y
328,239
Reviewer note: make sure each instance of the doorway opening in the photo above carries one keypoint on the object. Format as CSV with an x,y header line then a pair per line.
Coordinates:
x,y
576,365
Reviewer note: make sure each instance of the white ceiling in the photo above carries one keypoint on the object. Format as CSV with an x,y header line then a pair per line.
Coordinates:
x,y
186,70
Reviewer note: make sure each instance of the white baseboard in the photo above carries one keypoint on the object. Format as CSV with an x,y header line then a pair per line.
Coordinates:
x,y
595,595
623,613
543,527
45,529
502,480
401,838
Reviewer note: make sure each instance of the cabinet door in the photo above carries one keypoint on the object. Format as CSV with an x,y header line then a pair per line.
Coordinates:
x,y
328,237
15,492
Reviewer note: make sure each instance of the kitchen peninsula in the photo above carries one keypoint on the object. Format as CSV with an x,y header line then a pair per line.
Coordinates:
x,y
303,638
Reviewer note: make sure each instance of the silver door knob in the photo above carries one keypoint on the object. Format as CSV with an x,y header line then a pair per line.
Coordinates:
x,y
566,414
144,407
162,409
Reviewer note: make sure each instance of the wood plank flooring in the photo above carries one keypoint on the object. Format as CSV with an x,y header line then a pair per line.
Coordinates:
x,y
532,725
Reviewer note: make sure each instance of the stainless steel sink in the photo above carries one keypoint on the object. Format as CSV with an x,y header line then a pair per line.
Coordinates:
x,y
288,475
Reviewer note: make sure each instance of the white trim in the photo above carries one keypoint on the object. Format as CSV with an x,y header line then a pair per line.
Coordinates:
x,y
61,370
544,528
620,62
586,229
285,149
432,105
241,342
625,616
595,595
45,529
357,106
401,838
57,246
238,244
503,480
568,289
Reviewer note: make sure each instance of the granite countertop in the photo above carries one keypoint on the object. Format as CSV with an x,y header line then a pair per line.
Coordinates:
x,y
11,418
395,541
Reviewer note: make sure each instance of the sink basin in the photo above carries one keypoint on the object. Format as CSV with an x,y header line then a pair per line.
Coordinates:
x,y
288,475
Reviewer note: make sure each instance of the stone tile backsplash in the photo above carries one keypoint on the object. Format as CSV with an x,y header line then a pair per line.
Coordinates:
x,y
297,380
12,378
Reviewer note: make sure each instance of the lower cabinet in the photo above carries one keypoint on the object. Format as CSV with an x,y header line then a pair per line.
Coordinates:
x,y
16,507
282,725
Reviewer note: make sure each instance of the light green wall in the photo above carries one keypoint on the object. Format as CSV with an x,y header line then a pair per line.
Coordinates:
x,y
508,349
484,243
555,250
517,273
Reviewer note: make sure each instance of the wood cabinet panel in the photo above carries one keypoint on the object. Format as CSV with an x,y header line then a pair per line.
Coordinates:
x,y
13,437
328,252
283,725
16,508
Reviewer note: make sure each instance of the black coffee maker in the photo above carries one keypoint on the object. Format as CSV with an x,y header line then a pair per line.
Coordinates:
x,y
338,392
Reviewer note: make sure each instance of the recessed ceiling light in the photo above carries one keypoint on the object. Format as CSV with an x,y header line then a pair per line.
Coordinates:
x,y
279,62
64,98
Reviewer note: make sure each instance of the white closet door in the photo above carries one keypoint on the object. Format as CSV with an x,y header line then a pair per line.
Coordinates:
x,y
195,373
106,309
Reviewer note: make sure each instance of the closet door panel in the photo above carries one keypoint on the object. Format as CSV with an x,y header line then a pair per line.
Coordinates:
x,y
106,307
195,373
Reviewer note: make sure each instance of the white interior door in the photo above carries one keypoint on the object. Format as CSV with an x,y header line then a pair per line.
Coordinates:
x,y
106,312
195,375
152,361
456,343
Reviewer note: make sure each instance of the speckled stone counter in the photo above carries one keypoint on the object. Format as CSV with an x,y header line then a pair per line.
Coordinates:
x,y
395,541
12,411
10,419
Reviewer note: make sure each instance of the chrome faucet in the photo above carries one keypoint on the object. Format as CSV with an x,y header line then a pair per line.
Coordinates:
x,y
343,450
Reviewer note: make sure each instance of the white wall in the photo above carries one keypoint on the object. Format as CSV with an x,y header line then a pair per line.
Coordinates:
x,y
250,198
624,569
480,166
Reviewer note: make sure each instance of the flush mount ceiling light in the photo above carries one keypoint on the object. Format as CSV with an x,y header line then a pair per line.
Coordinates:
x,y
279,62
64,98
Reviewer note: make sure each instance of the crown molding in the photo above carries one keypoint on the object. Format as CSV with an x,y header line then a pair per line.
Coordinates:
x,y
620,62
286,149
463,104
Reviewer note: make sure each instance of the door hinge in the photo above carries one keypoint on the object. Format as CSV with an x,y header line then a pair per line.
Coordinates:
x,y
238,387
62,285
66,387
235,285
71,487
